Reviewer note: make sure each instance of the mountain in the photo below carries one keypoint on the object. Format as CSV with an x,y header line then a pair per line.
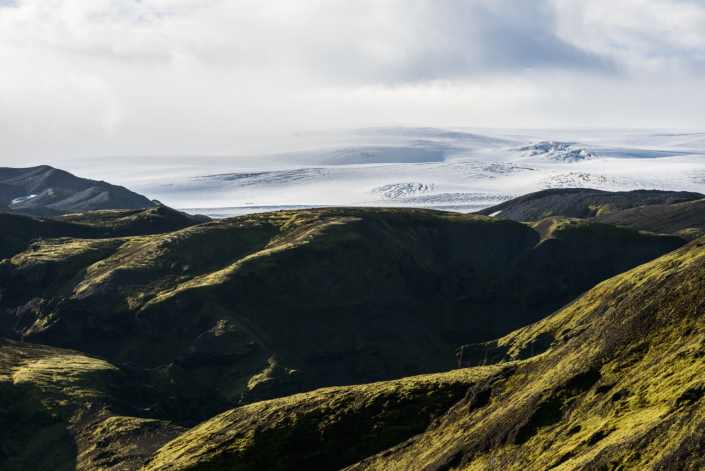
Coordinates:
x,y
272,304
611,382
582,203
142,339
46,191
686,220
619,388
19,230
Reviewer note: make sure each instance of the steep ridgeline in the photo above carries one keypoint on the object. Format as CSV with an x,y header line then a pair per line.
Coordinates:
x,y
47,191
582,203
19,230
620,387
267,305
686,220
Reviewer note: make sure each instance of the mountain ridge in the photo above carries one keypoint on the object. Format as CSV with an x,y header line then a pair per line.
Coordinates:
x,y
47,191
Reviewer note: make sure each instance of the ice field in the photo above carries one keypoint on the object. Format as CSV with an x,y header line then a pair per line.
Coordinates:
x,y
449,169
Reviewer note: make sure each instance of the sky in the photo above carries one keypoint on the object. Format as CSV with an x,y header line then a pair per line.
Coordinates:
x,y
203,77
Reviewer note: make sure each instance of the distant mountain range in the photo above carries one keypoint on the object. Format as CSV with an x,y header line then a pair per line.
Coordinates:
x,y
47,191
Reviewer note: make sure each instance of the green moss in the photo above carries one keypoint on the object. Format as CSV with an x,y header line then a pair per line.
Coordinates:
x,y
324,429
62,410
599,210
305,287
619,388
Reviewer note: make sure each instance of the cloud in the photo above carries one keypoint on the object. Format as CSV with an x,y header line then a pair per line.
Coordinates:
x,y
163,76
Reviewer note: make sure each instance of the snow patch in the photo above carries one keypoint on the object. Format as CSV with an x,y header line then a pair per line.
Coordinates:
x,y
22,198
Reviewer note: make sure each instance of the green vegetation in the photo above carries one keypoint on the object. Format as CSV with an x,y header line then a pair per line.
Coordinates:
x,y
326,429
262,310
130,222
18,230
619,387
62,410
269,305
599,210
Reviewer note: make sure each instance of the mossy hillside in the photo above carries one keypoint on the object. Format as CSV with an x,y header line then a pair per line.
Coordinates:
x,y
320,430
573,319
18,230
599,210
62,410
690,234
620,388
338,296
130,222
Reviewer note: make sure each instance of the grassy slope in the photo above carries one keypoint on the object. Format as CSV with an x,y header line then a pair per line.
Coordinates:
x,y
321,430
620,387
19,230
62,410
274,304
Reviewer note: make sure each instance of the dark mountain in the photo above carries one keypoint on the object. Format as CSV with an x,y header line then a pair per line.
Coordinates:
x,y
19,230
612,382
193,318
582,203
270,304
686,220
46,191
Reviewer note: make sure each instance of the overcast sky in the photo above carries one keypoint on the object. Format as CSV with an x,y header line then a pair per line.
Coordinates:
x,y
162,77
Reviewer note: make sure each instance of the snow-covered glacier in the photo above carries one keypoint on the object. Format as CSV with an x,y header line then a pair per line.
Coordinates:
x,y
454,169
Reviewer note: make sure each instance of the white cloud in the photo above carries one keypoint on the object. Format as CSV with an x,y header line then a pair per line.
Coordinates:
x,y
195,76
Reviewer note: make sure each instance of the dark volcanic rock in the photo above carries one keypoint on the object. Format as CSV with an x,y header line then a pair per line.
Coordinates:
x,y
582,203
686,219
46,191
